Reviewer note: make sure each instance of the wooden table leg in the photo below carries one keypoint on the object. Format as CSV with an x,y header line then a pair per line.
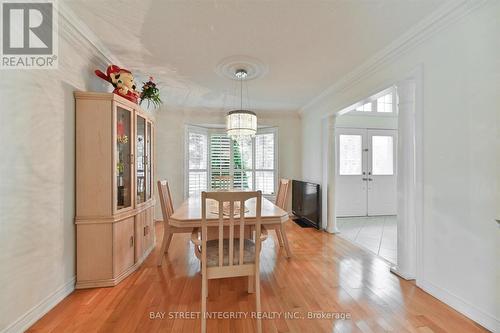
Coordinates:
x,y
285,241
278,236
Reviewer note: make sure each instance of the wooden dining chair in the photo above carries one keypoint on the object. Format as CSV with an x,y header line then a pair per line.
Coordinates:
x,y
282,196
233,255
281,202
167,209
223,183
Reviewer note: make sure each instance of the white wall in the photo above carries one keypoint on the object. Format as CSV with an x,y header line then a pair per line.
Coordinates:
x,y
37,130
461,85
170,127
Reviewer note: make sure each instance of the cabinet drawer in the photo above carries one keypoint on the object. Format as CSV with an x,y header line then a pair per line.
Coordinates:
x,y
123,245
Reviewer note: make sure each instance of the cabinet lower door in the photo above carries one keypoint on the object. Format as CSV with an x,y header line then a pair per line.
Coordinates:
x,y
123,245
150,226
144,232
139,235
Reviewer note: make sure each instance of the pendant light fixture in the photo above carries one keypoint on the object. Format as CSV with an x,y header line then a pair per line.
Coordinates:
x,y
241,123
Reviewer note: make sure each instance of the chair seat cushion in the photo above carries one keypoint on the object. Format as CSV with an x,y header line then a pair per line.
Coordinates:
x,y
213,252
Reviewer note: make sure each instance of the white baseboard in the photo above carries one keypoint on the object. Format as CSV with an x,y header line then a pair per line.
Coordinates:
x,y
401,274
484,319
38,311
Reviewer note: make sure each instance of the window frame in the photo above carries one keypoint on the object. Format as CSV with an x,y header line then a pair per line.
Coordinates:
x,y
214,131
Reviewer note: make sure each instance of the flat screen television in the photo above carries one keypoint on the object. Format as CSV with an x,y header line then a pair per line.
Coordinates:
x,y
306,203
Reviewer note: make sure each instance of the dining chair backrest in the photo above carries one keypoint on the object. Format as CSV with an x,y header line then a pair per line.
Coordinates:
x,y
282,196
227,216
226,261
167,208
223,182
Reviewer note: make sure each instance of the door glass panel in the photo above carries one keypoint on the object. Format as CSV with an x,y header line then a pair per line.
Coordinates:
x,y
141,159
149,154
123,158
350,155
382,155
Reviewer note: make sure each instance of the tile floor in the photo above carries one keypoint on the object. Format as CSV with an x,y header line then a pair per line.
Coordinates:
x,y
375,233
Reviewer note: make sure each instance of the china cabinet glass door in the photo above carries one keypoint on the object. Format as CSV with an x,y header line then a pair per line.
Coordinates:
x,y
149,164
123,158
141,159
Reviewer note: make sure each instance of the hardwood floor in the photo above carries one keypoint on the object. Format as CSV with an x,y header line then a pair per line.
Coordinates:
x,y
326,273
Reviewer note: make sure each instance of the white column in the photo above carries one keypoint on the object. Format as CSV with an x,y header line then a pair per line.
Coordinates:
x,y
331,226
406,164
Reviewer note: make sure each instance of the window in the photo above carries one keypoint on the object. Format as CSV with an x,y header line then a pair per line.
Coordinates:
x,y
367,107
264,163
382,102
243,163
220,157
250,161
350,151
197,162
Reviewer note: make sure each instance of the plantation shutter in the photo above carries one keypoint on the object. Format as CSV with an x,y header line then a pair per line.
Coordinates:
x,y
264,163
197,162
220,156
242,163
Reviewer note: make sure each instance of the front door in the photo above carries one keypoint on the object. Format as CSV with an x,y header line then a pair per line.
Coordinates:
x,y
381,182
365,172
351,199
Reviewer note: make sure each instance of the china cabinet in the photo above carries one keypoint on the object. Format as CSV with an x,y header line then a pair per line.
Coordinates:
x,y
114,188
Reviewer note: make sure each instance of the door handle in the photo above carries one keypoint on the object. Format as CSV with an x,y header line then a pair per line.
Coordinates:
x,y
370,179
364,178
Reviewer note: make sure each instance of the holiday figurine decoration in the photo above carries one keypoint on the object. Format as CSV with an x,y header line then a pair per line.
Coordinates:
x,y
122,80
150,93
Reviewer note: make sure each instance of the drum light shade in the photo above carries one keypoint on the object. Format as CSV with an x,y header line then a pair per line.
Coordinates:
x,y
241,123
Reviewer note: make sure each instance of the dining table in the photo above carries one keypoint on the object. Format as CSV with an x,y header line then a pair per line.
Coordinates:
x,y
188,216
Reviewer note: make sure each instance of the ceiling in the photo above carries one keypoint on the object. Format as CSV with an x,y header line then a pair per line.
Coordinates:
x,y
305,45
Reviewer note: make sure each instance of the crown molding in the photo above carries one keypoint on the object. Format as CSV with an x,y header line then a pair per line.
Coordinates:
x,y
75,31
442,17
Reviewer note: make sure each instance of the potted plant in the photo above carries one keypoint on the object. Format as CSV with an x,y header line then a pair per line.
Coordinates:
x,y
150,93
